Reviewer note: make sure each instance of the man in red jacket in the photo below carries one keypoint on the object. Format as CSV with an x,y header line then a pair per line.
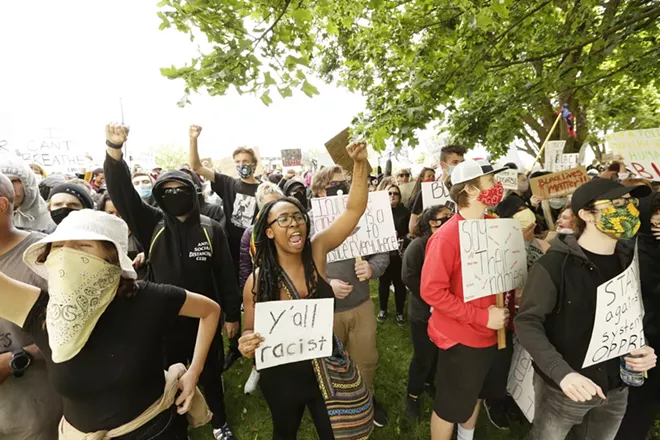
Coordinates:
x,y
465,333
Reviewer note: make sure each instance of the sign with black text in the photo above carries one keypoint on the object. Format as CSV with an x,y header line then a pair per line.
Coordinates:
x,y
436,193
640,149
520,384
293,331
493,257
374,233
618,327
508,178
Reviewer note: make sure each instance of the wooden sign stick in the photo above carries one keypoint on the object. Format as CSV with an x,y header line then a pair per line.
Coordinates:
x,y
547,138
501,333
358,259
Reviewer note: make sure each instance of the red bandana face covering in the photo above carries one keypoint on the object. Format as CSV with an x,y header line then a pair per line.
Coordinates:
x,y
492,196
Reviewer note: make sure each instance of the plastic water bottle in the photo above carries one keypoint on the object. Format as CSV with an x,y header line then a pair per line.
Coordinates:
x,y
628,376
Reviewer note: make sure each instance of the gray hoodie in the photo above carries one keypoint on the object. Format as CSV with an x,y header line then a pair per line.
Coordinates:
x,y
345,271
33,212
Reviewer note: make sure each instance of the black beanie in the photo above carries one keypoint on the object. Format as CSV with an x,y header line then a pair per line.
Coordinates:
x,y
78,191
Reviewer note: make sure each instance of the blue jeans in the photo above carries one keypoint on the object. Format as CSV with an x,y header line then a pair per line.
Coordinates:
x,y
555,415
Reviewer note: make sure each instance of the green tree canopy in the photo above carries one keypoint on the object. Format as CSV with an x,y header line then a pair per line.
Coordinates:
x,y
493,71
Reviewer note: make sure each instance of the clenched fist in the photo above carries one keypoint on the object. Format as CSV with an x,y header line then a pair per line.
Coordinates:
x,y
357,150
195,131
497,317
116,133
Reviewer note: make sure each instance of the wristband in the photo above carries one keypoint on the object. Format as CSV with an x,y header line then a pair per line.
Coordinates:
x,y
115,146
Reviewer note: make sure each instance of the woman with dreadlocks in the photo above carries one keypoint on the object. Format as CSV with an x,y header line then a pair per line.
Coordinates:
x,y
285,256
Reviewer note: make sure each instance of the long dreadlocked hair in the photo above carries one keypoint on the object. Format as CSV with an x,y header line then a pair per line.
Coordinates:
x,y
267,283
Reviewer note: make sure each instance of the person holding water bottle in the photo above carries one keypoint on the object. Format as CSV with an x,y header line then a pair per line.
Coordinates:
x,y
558,311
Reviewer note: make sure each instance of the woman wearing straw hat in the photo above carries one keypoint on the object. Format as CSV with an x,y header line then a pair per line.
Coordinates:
x,y
101,333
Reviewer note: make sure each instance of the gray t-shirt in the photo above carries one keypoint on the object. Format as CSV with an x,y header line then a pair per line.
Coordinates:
x,y
29,406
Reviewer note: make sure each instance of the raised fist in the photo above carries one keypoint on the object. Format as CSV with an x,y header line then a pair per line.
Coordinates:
x,y
195,131
116,133
357,150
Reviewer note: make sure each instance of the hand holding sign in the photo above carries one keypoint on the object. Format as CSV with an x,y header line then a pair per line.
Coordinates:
x,y
498,318
247,344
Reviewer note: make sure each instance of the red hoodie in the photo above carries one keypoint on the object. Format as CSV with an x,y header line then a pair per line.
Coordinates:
x,y
453,320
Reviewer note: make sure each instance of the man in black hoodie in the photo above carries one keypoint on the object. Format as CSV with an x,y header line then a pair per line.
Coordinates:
x,y
643,401
184,249
296,189
558,311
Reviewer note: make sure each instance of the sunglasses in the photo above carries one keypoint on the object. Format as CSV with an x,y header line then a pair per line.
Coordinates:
x,y
435,221
284,221
394,194
617,203
179,190
404,175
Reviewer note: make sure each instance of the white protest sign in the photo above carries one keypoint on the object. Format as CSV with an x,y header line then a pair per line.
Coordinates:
x,y
508,178
293,331
520,385
435,193
566,161
618,327
640,149
553,151
493,257
374,233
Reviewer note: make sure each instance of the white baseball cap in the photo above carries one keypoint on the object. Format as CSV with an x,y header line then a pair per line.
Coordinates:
x,y
85,224
471,169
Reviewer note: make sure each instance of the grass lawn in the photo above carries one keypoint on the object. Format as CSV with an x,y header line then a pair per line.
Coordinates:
x,y
250,417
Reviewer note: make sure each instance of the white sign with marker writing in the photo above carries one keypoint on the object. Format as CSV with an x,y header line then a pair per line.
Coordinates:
x,y
618,327
293,331
553,152
520,385
508,178
374,233
435,193
493,257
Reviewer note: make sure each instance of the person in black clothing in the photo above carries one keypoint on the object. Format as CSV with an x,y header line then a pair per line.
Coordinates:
x,y
392,274
557,315
425,353
296,189
643,401
184,249
210,210
284,249
238,201
66,198
105,357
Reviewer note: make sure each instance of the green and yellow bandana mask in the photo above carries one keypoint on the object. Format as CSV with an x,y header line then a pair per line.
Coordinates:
x,y
620,222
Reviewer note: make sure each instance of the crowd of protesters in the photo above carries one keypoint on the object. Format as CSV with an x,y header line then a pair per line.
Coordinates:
x,y
116,288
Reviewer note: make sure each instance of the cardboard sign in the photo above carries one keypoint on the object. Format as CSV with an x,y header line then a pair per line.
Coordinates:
x,y
640,149
553,151
406,191
337,149
508,178
493,257
374,233
618,327
436,193
520,384
293,331
292,158
559,184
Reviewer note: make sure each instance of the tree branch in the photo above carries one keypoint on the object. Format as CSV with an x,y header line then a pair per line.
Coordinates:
x,y
271,27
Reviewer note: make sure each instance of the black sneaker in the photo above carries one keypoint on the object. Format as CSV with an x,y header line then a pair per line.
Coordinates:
x,y
497,413
400,319
382,316
224,433
413,407
380,416
429,388
231,358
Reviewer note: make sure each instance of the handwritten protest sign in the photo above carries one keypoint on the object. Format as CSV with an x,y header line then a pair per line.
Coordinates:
x,y
553,151
293,331
618,328
559,184
436,193
53,155
640,149
508,178
492,257
292,157
337,149
520,385
374,233
567,161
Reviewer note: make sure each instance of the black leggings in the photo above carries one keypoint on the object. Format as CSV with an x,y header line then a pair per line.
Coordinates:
x,y
162,427
211,378
288,389
392,275
424,360
641,410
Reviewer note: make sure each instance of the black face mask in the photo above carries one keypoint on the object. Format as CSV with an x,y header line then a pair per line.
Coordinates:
x,y
178,201
60,214
332,191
